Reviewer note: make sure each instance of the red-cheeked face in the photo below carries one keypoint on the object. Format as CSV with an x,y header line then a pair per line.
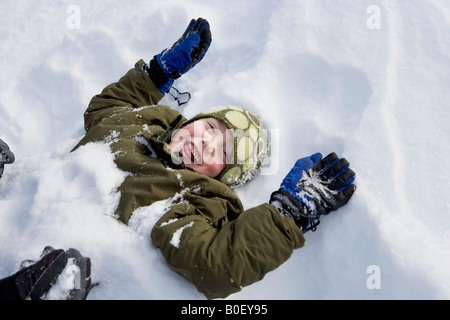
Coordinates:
x,y
204,145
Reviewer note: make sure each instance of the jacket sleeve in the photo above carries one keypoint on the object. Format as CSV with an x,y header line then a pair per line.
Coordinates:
x,y
135,89
220,257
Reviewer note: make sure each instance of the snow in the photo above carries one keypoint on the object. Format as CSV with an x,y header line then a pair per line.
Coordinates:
x,y
365,79
176,238
66,281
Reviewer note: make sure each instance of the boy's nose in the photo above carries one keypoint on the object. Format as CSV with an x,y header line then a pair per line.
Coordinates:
x,y
211,143
207,139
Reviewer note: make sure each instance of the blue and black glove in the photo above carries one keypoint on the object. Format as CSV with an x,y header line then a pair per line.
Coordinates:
x,y
314,187
6,156
189,50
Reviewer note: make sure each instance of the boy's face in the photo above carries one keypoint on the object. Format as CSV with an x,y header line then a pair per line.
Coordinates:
x,y
204,145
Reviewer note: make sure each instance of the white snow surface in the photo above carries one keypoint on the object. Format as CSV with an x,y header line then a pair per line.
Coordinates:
x,y
366,79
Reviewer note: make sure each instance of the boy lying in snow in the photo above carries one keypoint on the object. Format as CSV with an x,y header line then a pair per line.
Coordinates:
x,y
206,236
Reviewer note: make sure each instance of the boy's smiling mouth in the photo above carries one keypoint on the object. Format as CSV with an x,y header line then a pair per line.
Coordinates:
x,y
189,148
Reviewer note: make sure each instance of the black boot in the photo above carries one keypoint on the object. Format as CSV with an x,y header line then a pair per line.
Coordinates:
x,y
34,281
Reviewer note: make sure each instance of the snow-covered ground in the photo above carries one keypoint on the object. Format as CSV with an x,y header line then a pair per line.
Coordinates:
x,y
368,79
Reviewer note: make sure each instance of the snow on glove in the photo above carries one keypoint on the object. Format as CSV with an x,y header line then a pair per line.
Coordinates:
x,y
189,50
315,187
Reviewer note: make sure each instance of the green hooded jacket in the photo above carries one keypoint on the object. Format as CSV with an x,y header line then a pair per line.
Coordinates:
x,y
205,235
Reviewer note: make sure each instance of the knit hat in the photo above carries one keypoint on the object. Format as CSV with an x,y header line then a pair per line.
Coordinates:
x,y
250,145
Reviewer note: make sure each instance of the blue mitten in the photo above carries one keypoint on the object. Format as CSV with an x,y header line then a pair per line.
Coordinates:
x,y
189,50
314,187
